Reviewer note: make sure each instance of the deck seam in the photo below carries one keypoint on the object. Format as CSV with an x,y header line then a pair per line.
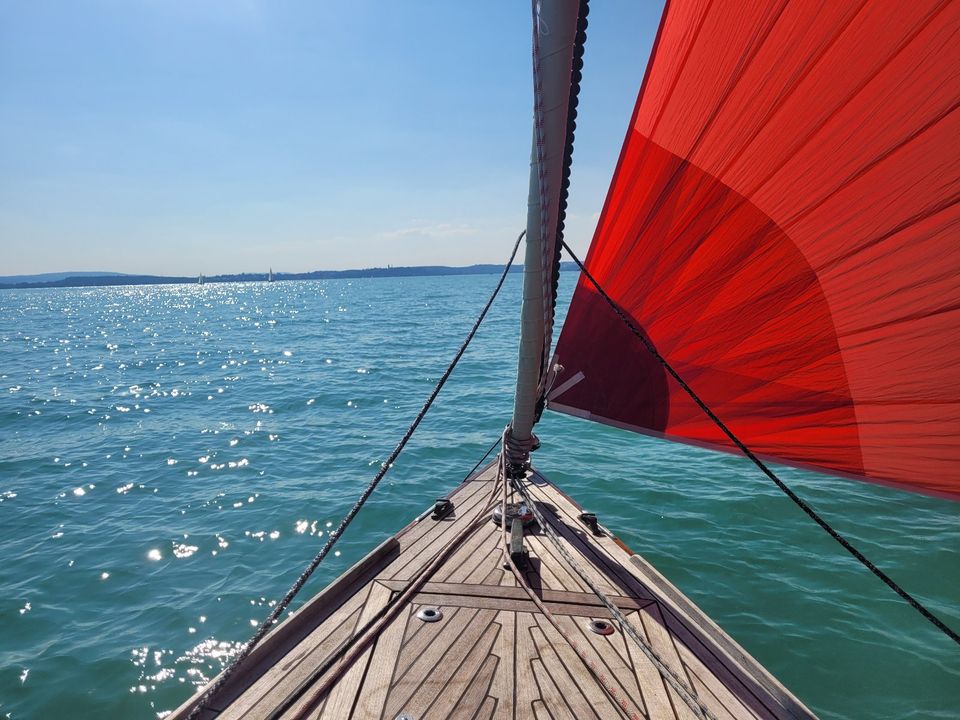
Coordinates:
x,y
417,687
423,542
611,569
396,662
636,675
474,646
546,671
446,652
426,627
582,637
666,686
706,689
719,661
590,675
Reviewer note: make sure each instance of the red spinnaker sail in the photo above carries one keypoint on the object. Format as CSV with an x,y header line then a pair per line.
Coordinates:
x,y
784,226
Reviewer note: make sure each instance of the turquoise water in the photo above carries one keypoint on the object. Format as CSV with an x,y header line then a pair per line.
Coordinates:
x,y
171,457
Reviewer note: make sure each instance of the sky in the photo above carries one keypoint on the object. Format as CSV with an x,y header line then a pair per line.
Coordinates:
x,y
180,137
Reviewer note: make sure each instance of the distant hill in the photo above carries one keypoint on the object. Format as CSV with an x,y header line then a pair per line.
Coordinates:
x,y
94,279
52,277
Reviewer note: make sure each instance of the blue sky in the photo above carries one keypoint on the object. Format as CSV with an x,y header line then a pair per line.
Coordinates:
x,y
208,136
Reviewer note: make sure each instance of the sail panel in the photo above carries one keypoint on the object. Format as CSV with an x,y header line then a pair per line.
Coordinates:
x,y
784,227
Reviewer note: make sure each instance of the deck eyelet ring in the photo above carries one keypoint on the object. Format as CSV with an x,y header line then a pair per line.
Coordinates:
x,y
430,614
600,627
403,716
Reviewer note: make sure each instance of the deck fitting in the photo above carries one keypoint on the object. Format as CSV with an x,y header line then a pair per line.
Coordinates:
x,y
441,508
518,553
430,614
590,520
600,627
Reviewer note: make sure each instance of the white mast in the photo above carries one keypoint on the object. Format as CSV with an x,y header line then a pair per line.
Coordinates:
x,y
555,28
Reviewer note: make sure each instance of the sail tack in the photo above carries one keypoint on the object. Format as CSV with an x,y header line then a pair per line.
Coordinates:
x,y
784,226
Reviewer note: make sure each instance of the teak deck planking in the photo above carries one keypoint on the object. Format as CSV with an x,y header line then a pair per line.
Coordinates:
x,y
494,653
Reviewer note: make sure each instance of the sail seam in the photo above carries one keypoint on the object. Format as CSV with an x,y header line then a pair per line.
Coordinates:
x,y
800,502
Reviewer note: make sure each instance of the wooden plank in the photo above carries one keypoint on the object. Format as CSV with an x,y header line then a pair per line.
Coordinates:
x,y
556,574
548,554
649,621
540,711
589,600
373,695
343,696
491,564
656,694
421,539
471,555
429,634
581,691
526,688
280,679
487,710
601,652
487,602
492,578
435,667
505,649
553,698
416,659
541,576
717,706
468,684
475,698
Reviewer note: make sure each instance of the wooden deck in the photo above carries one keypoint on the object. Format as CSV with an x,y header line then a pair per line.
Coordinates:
x,y
494,653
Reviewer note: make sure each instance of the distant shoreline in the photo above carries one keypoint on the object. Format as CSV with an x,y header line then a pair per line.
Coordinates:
x,y
113,280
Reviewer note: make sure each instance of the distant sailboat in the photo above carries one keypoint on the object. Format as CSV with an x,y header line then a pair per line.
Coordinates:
x,y
270,275
200,279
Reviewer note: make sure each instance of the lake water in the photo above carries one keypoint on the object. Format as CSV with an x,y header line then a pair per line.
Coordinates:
x,y
172,456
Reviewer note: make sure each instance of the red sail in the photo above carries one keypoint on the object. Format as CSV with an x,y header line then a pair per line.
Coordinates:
x,y
784,226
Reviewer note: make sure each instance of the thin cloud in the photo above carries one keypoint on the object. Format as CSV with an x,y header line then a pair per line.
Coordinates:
x,y
438,231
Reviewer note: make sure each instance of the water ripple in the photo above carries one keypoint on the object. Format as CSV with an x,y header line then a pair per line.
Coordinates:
x,y
172,456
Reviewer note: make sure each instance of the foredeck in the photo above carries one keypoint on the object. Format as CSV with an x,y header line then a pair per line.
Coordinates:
x,y
495,653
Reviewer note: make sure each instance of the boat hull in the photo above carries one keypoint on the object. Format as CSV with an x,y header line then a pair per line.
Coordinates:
x,y
364,648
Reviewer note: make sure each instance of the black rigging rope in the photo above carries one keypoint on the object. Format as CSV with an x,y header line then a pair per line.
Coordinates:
x,y
912,601
480,461
335,534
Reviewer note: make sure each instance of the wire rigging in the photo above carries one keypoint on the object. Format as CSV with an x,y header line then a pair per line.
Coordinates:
x,y
800,502
335,534
683,690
